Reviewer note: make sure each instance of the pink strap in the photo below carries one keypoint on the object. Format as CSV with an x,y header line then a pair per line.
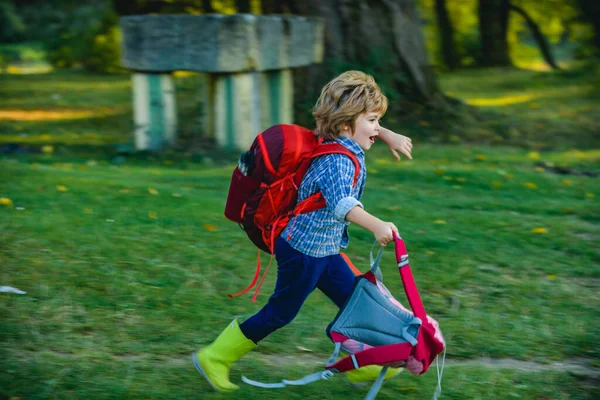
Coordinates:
x,y
408,281
377,355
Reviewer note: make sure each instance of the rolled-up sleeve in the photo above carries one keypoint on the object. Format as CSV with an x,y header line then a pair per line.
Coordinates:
x,y
336,176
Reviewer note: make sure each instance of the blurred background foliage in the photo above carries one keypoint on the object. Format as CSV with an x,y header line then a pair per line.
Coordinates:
x,y
447,36
85,33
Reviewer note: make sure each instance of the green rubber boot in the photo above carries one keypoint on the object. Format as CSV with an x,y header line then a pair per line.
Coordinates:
x,y
215,360
367,375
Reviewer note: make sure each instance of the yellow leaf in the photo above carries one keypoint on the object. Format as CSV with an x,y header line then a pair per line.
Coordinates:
x,y
168,162
447,178
47,149
424,123
530,185
540,231
496,185
153,191
566,182
439,171
176,195
480,157
382,161
88,211
508,176
61,188
551,276
152,215
210,228
589,195
539,169
439,222
534,155
460,179
372,171
6,201
534,105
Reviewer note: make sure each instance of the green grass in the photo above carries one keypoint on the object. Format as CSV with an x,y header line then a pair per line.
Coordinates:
x,y
530,109
127,261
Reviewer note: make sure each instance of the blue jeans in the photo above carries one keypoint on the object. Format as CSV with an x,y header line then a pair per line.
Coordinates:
x,y
297,276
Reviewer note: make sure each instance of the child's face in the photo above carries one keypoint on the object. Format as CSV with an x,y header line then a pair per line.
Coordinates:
x,y
366,128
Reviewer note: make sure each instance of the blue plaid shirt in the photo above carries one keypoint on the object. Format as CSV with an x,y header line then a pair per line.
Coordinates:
x,y
323,232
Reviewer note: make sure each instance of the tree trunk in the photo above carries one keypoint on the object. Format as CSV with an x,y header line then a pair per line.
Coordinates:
x,y
446,32
242,6
538,35
381,37
207,7
282,6
493,25
590,11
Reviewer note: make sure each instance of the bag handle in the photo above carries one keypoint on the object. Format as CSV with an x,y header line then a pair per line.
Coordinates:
x,y
374,263
408,280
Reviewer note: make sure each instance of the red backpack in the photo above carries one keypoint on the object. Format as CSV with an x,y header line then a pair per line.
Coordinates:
x,y
264,187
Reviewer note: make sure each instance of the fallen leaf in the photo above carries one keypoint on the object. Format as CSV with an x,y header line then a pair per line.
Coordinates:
x,y
61,188
153,191
209,227
47,149
540,231
6,202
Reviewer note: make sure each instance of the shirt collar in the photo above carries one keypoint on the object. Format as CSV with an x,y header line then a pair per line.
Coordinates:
x,y
350,145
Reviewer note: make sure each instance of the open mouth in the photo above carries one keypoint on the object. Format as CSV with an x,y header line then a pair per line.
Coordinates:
x,y
372,139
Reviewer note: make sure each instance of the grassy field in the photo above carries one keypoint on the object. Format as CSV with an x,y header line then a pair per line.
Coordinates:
x,y
127,260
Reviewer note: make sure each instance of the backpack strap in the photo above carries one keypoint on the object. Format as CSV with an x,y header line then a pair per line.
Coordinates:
x,y
375,355
317,201
408,280
336,148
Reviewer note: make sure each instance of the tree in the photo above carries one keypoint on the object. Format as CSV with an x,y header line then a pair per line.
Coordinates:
x,y
590,11
446,35
381,37
493,28
537,35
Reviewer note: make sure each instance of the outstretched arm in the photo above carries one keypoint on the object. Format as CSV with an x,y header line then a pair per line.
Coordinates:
x,y
396,143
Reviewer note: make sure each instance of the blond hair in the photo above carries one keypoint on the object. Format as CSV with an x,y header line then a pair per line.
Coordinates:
x,y
343,99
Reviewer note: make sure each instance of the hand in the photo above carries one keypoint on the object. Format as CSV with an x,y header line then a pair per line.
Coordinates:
x,y
397,143
384,233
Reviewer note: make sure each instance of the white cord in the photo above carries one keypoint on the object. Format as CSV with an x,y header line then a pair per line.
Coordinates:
x,y
440,373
